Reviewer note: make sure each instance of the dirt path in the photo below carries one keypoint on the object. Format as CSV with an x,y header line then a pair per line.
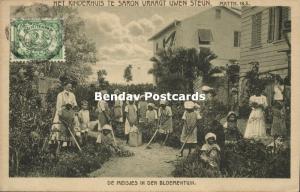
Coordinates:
x,y
155,162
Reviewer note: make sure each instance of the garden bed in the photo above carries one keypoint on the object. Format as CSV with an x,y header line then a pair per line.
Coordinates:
x,y
71,163
247,158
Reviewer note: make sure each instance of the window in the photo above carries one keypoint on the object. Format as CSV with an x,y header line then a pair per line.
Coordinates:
x,y
277,17
236,38
218,13
156,48
204,36
256,30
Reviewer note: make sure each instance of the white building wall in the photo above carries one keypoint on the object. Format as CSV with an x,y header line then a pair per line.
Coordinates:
x,y
222,32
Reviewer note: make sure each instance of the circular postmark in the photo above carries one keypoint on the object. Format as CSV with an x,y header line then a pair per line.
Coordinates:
x,y
36,39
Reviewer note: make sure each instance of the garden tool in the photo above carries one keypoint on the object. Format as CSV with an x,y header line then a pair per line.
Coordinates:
x,y
187,137
67,125
112,132
147,146
155,133
165,139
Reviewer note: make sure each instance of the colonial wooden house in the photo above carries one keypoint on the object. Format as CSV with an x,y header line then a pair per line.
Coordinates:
x,y
264,40
216,29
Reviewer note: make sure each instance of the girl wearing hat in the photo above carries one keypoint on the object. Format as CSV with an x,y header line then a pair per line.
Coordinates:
x,y
64,98
189,131
232,132
165,118
210,153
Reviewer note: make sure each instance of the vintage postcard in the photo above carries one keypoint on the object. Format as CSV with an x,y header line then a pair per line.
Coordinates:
x,y
149,95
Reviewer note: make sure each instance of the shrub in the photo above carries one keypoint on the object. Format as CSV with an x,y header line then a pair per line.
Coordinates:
x,y
247,158
71,163
193,166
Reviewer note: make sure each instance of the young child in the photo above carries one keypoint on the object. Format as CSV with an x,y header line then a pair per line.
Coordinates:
x,y
210,152
84,120
131,119
165,119
151,119
107,138
232,133
189,131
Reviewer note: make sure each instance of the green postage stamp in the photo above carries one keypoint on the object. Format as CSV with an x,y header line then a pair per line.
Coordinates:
x,y
36,40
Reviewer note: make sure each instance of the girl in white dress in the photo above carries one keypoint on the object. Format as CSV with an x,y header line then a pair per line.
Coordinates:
x,y
256,123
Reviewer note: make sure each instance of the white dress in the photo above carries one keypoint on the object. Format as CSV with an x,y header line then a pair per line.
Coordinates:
x,y
131,111
256,123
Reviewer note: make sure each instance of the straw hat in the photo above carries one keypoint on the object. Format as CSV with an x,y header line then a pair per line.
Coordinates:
x,y
209,135
151,105
231,113
163,102
206,88
107,127
189,105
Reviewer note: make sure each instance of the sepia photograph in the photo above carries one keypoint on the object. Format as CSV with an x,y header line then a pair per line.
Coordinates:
x,y
148,89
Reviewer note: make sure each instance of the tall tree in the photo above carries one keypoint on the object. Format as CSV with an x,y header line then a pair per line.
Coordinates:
x,y
175,70
101,79
128,74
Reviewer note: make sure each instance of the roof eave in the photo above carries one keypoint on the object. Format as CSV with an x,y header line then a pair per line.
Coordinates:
x,y
171,25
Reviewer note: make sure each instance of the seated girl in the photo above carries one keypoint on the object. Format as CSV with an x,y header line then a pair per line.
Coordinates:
x,y
210,152
232,133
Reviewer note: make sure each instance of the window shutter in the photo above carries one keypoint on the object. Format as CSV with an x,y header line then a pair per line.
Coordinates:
x,y
271,24
284,17
256,29
285,13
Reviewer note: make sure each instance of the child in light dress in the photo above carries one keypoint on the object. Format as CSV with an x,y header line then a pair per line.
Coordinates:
x,y
84,120
131,119
210,153
189,131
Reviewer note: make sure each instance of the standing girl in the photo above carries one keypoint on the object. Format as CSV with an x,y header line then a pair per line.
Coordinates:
x,y
165,119
189,131
131,118
103,115
256,123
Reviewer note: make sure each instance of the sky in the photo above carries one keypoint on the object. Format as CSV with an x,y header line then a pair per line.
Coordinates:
x,y
121,35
